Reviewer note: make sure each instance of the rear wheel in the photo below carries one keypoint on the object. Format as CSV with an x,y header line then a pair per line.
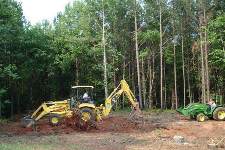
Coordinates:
x,y
201,117
87,114
55,119
87,118
219,114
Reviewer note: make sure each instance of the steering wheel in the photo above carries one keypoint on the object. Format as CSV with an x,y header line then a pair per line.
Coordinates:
x,y
80,98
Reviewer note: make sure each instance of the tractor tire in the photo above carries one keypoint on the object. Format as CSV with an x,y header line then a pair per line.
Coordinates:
x,y
219,114
55,119
87,114
201,117
87,118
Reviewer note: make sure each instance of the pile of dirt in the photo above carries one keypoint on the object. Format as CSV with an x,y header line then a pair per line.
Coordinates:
x,y
117,124
122,124
110,124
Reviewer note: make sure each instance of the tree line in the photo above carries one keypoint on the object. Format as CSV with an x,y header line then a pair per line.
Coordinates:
x,y
171,52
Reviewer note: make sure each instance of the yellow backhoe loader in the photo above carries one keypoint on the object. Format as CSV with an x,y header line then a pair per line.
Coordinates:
x,y
87,110
55,110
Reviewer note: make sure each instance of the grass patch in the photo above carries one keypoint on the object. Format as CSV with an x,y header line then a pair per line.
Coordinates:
x,y
51,142
154,110
40,146
159,110
126,111
23,146
121,112
3,121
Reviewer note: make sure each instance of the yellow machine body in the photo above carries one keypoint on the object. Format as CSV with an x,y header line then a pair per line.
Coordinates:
x,y
57,107
104,110
88,111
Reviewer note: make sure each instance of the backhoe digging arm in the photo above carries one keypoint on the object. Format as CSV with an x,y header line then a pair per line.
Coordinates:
x,y
123,87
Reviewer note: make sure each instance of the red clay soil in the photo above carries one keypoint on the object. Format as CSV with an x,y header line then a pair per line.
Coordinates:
x,y
42,128
121,124
110,124
117,124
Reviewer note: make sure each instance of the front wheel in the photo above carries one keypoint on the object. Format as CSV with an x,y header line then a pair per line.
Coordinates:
x,y
54,119
219,114
201,117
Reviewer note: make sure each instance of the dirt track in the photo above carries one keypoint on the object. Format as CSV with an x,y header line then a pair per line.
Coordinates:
x,y
117,132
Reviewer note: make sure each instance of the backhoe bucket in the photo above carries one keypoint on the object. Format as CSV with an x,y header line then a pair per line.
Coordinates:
x,y
136,115
27,122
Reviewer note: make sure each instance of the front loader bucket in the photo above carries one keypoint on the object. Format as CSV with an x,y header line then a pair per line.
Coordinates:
x,y
183,111
193,109
27,122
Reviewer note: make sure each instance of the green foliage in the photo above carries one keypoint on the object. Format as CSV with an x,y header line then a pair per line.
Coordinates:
x,y
150,36
9,71
42,61
217,40
217,58
2,92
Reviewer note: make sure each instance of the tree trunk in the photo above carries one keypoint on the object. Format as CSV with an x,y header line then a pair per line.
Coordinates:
x,y
0,107
31,94
206,59
133,79
114,81
175,75
137,57
183,68
12,108
173,100
104,51
77,73
161,55
189,85
114,73
143,82
18,105
202,64
164,73
175,68
124,69
151,79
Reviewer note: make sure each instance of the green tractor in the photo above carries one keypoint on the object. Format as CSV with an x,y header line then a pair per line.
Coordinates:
x,y
201,112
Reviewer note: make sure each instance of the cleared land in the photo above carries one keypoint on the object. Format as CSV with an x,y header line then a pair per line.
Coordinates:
x,y
117,132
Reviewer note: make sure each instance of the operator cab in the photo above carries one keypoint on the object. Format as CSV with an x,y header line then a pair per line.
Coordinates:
x,y
81,94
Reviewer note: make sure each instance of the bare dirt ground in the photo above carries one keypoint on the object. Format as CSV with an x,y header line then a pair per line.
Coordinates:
x,y
117,133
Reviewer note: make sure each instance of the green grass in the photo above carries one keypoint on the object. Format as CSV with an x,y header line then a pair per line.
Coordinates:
x,y
2,121
159,110
154,110
23,146
39,146
51,142
127,110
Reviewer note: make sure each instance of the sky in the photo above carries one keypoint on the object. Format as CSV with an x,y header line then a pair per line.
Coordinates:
x,y
38,10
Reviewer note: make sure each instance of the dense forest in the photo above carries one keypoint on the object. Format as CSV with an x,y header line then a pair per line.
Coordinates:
x,y
171,52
